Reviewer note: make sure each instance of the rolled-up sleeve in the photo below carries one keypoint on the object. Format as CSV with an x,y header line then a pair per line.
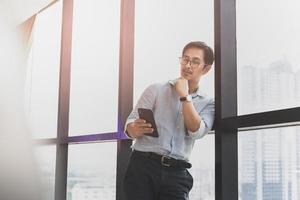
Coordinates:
x,y
207,119
147,100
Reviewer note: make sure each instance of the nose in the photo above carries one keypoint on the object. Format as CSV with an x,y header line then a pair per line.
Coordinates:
x,y
189,64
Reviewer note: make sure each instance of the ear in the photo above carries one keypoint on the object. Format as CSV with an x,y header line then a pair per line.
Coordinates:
x,y
206,69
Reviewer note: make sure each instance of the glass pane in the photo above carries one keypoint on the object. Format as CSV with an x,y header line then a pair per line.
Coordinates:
x,y
161,32
95,67
268,55
203,170
269,164
92,171
42,80
46,156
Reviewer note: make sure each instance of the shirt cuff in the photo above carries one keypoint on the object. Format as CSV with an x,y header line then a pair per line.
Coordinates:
x,y
125,131
200,132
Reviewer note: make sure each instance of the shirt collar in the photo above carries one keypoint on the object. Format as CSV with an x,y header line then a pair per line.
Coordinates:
x,y
197,93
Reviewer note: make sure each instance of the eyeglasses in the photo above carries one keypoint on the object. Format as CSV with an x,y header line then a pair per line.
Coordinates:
x,y
194,62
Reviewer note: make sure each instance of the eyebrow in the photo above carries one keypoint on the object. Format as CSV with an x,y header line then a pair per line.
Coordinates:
x,y
192,57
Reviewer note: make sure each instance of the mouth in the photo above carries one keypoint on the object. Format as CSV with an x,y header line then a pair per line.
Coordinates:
x,y
186,73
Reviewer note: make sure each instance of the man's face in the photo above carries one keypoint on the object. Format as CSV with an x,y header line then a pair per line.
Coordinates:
x,y
193,65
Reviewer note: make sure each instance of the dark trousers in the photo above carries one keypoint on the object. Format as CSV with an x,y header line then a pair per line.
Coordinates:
x,y
148,179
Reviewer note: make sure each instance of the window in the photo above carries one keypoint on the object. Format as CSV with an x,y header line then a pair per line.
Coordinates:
x,y
269,163
268,74
45,156
203,170
95,67
267,55
92,171
161,32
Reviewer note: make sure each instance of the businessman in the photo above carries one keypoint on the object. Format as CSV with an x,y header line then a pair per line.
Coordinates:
x,y
158,166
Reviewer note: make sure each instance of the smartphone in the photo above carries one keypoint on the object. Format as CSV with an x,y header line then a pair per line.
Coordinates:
x,y
147,114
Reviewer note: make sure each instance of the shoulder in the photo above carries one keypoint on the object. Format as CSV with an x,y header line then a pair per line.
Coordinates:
x,y
205,98
204,102
209,104
155,87
210,100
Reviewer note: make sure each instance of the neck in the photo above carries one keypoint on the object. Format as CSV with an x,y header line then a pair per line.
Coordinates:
x,y
193,86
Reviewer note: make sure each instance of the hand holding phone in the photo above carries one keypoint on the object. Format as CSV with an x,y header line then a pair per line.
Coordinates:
x,y
147,114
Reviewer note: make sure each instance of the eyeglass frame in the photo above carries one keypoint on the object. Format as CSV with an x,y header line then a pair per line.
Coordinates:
x,y
190,62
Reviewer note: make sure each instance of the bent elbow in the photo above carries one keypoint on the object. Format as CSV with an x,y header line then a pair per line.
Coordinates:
x,y
194,128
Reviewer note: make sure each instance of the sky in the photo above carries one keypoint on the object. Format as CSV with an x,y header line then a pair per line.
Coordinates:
x,y
268,33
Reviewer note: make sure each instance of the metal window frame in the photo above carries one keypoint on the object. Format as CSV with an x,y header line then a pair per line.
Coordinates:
x,y
61,169
226,152
227,123
125,89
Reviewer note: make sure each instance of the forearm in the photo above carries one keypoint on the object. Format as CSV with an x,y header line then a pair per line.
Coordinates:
x,y
191,117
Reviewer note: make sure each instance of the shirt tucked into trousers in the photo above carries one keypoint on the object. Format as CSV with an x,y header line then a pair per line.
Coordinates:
x,y
149,179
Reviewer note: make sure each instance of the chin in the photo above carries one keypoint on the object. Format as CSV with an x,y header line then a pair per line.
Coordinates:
x,y
187,77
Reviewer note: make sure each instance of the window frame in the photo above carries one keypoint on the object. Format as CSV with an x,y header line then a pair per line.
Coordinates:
x,y
227,122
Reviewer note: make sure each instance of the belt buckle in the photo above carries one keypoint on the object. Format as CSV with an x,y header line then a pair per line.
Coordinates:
x,y
163,158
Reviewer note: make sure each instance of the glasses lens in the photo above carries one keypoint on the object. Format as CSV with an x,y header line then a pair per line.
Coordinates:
x,y
184,61
195,63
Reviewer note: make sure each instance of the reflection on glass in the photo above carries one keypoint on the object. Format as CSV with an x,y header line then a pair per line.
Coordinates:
x,y
203,170
269,164
268,55
42,78
46,156
161,32
95,67
92,171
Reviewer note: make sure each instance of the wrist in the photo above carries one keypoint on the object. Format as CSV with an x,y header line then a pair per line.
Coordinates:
x,y
128,134
187,98
129,131
183,94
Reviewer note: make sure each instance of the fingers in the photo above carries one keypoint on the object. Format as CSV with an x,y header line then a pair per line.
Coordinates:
x,y
142,123
145,130
141,126
183,78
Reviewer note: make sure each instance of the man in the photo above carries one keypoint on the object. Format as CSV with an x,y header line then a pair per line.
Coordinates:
x,y
157,168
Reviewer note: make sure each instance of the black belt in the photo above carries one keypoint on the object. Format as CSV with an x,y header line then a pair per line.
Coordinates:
x,y
164,160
